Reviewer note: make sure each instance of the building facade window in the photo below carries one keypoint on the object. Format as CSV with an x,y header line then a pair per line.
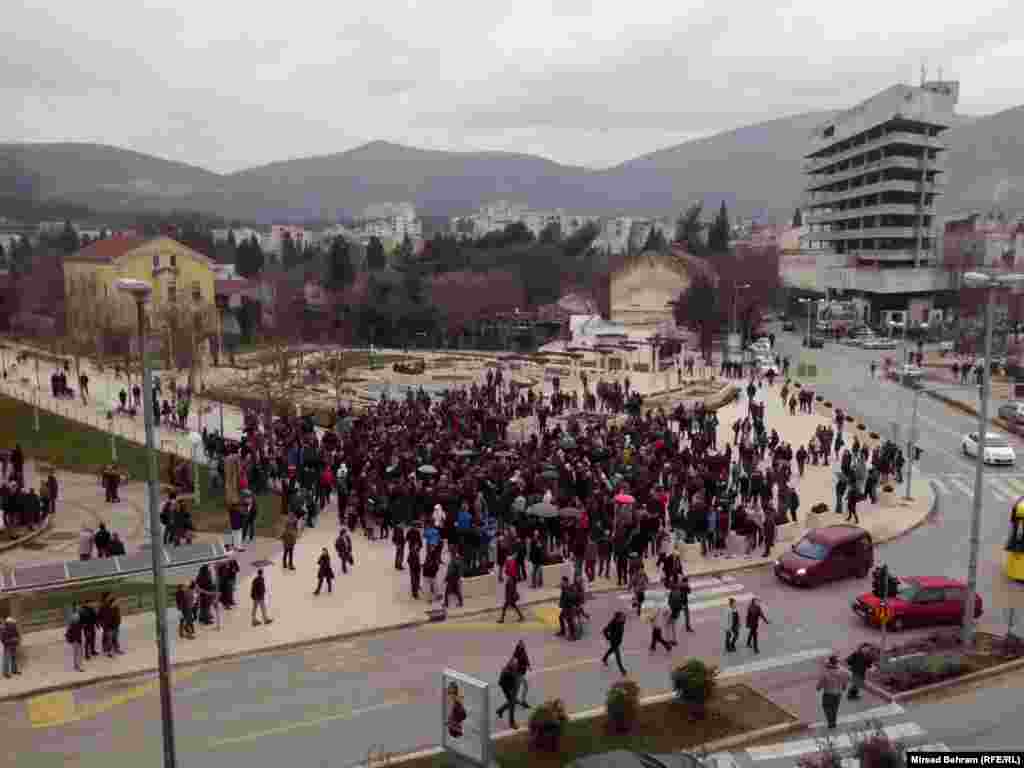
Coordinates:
x,y
172,293
174,259
197,291
156,261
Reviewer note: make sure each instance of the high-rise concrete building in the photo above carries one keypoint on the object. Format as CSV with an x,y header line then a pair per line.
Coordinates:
x,y
874,174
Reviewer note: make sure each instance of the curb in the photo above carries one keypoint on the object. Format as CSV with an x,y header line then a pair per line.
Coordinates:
x,y
932,512
721,745
382,629
28,536
945,685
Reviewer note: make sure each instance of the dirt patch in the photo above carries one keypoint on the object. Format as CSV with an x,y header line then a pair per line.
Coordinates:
x,y
660,728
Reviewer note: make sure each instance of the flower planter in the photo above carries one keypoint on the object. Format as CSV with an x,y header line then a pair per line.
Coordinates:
x,y
819,398
873,435
548,739
827,403
849,419
861,427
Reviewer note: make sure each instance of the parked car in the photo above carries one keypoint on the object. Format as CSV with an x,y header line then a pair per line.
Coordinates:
x,y
997,450
1012,412
814,342
826,554
921,601
788,325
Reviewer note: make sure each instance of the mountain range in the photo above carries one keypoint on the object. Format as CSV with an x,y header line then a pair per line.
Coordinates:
x,y
755,169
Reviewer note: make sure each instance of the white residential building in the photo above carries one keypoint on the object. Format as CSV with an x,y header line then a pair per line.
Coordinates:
x,y
221,235
299,235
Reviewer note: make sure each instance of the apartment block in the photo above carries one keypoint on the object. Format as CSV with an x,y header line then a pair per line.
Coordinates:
x,y
874,174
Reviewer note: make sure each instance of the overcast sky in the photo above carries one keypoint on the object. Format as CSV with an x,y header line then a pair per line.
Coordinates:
x,y
226,84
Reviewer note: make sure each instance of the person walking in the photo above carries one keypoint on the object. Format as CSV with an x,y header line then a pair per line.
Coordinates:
x,y
288,539
74,637
508,682
566,617
324,572
343,546
660,621
88,618
831,684
398,539
511,590
679,603
183,602
732,626
614,633
415,570
10,637
755,616
523,660
258,593
859,662
453,580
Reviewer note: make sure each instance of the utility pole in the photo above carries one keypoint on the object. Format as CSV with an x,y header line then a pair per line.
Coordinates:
x,y
911,440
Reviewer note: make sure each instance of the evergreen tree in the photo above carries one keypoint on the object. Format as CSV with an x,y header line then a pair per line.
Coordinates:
x,y
290,255
551,233
3,257
21,256
339,265
798,218
375,257
688,230
231,238
68,241
655,242
719,234
405,251
249,258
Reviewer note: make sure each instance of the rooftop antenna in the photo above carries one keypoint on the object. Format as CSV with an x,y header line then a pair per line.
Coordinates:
x,y
940,74
924,73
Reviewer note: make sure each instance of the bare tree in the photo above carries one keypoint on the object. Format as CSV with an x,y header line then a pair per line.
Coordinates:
x,y
185,328
91,317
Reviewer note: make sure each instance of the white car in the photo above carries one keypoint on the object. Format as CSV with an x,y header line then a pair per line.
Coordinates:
x,y
761,347
997,449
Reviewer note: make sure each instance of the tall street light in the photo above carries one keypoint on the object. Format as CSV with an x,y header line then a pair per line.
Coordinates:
x,y
140,291
989,283
810,303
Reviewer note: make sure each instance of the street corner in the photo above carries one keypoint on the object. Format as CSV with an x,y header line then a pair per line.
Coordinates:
x,y
902,515
50,709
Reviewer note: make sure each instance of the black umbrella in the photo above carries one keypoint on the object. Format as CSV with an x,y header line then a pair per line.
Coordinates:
x,y
543,510
427,469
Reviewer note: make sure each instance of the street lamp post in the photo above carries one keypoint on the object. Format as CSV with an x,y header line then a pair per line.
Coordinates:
x,y
140,291
36,412
197,440
989,283
809,302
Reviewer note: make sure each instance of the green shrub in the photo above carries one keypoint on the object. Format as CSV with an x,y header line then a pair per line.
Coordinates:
x,y
547,724
694,683
622,703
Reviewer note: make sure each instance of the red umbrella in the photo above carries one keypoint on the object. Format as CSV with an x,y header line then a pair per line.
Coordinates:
x,y
624,498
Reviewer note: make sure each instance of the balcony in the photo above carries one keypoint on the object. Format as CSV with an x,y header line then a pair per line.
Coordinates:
x,y
817,181
848,214
817,199
896,254
903,138
888,280
865,233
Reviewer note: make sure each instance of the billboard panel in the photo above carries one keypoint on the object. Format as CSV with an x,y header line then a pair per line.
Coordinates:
x,y
466,713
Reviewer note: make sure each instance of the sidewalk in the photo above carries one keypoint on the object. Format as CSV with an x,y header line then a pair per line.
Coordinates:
x,y
375,597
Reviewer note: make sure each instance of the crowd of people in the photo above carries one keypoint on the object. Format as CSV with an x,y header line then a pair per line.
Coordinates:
x,y
21,506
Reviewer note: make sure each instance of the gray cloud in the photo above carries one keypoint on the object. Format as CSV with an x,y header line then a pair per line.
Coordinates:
x,y
229,85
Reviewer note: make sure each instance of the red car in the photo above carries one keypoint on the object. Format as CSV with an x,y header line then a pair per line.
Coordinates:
x,y
921,601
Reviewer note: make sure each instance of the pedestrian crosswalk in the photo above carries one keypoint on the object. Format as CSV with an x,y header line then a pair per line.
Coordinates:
x,y
1001,487
705,594
852,729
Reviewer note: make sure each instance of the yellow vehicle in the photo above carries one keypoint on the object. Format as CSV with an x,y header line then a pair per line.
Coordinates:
x,y
1015,544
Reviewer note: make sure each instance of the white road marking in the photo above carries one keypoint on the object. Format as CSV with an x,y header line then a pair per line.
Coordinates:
x,y
940,485
963,487
1000,490
775,661
889,710
788,749
658,601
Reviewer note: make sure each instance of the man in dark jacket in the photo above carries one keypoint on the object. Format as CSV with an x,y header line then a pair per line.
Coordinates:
x,y
453,581
258,593
398,539
511,592
566,620
87,617
508,682
755,616
679,603
614,633
859,662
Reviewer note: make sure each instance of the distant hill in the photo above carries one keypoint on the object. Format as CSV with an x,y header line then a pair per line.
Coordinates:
x,y
756,169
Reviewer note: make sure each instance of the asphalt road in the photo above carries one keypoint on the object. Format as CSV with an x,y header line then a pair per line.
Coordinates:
x,y
333,703
942,548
